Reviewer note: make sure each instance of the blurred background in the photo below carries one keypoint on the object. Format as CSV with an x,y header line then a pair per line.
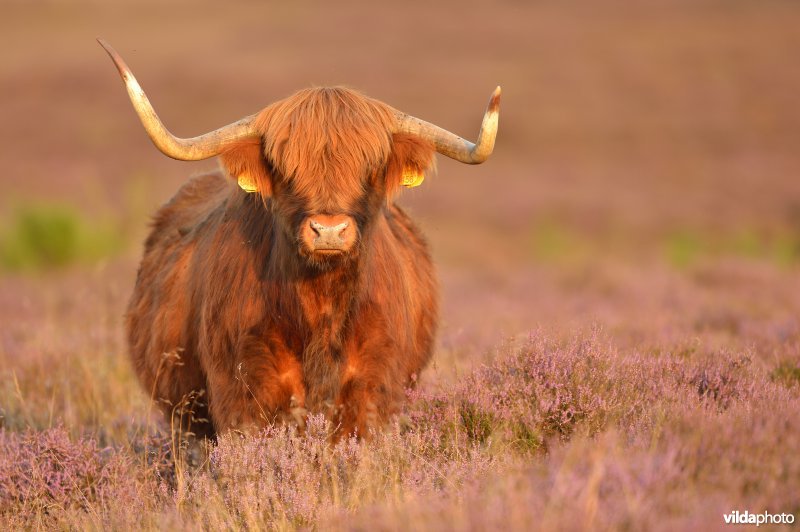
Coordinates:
x,y
646,176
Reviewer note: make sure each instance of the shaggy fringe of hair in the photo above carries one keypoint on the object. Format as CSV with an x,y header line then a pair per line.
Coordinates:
x,y
324,139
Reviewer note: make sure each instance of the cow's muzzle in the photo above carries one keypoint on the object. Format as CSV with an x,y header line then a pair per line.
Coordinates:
x,y
329,234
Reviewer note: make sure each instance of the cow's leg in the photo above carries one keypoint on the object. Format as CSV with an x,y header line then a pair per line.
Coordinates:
x,y
372,389
263,385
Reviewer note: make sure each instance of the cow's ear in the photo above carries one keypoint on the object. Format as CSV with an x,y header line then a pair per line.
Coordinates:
x,y
412,158
245,163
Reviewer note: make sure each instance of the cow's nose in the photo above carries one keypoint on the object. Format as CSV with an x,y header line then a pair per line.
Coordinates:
x,y
330,233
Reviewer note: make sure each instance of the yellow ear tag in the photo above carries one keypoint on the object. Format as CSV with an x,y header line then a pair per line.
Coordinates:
x,y
412,177
247,183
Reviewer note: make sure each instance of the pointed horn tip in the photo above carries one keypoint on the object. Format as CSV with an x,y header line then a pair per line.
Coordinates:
x,y
494,101
122,67
107,47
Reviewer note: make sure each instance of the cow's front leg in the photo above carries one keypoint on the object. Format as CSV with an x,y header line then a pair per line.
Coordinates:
x,y
263,387
372,388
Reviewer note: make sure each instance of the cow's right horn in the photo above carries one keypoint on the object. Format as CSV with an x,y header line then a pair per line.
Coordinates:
x,y
192,149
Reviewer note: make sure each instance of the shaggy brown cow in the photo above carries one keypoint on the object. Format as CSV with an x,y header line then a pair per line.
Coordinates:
x,y
317,291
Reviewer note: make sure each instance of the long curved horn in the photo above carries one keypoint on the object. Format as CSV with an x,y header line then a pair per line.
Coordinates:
x,y
192,149
452,145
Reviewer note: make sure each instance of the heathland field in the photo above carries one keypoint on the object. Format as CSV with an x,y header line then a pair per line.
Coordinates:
x,y
619,345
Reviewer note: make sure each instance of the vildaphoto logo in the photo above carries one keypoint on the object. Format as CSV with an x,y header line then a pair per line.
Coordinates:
x,y
764,518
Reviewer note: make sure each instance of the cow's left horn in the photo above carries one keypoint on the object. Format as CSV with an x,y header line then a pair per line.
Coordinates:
x,y
192,149
452,145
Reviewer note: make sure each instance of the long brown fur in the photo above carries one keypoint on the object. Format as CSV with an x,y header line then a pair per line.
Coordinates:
x,y
231,327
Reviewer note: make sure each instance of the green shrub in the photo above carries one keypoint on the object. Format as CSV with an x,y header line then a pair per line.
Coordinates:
x,y
683,247
39,236
787,373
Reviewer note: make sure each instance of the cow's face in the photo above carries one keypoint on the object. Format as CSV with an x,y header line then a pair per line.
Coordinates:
x,y
326,164
326,216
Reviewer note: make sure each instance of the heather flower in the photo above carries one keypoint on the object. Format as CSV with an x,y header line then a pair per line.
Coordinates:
x,y
41,471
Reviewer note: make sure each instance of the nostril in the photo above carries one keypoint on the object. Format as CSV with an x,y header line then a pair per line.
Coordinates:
x,y
340,229
317,227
